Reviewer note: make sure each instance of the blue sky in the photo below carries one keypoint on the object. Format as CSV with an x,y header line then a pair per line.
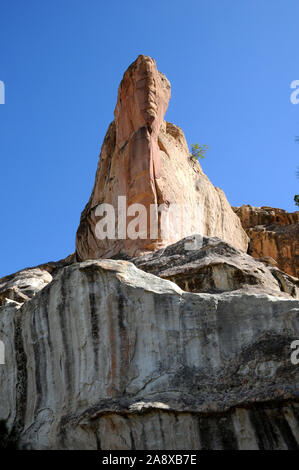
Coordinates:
x,y
230,64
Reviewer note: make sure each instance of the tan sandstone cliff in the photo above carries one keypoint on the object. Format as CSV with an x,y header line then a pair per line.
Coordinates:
x,y
177,348
147,160
274,235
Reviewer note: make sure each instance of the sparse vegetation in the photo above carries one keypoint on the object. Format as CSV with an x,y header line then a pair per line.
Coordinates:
x,y
198,152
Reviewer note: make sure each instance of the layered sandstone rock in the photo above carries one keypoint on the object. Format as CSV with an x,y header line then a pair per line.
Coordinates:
x,y
146,160
252,216
107,356
273,233
201,264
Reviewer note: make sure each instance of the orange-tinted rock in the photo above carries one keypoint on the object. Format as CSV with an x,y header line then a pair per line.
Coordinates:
x,y
273,233
147,160
252,216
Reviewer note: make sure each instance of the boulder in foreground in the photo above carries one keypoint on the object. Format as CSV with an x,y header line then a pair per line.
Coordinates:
x,y
107,356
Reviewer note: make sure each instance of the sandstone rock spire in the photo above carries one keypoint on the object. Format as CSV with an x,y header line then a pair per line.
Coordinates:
x,y
146,160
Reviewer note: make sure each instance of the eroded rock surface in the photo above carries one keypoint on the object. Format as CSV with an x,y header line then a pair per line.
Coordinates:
x,y
260,427
23,285
108,356
202,264
252,216
273,233
146,160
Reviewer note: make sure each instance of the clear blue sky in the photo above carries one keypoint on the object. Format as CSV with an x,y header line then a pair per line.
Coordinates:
x,y
230,63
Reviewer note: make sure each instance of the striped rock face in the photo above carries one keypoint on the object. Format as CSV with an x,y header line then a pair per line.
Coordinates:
x,y
108,356
146,161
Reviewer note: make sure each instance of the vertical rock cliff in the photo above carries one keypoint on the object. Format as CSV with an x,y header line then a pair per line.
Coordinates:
x,y
174,349
146,160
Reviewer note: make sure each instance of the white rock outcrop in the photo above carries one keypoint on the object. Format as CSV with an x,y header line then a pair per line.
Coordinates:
x,y
108,356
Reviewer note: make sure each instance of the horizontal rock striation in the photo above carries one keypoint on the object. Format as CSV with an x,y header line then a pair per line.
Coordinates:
x,y
274,234
252,216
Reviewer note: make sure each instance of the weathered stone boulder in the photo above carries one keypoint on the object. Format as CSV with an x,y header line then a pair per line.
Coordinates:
x,y
273,233
146,161
287,283
202,264
107,356
23,285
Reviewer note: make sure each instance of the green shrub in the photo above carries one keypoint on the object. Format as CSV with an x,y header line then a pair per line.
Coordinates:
x,y
198,152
